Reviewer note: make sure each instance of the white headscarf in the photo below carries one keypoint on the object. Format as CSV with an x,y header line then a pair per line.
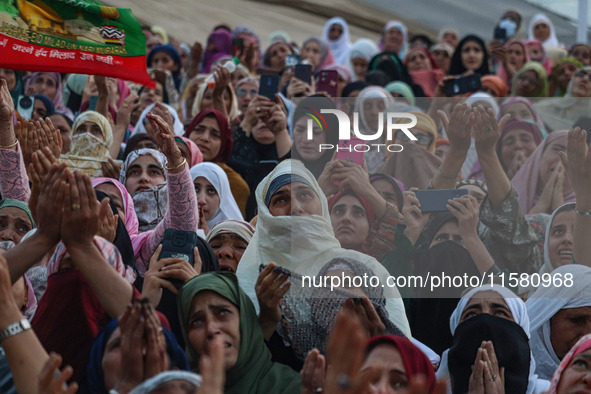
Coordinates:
x,y
340,47
242,229
520,316
551,41
148,385
363,48
548,301
234,111
304,244
134,155
178,125
228,209
547,266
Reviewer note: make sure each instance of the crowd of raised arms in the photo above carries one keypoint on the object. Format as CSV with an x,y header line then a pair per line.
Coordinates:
x,y
101,179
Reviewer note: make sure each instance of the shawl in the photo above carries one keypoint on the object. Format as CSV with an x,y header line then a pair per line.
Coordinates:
x,y
134,155
218,42
496,84
303,243
402,89
518,99
174,55
526,125
526,179
545,59
228,209
502,72
545,303
254,372
233,113
340,48
547,267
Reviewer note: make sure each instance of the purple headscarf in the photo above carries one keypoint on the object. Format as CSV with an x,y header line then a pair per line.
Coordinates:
x,y
218,42
57,99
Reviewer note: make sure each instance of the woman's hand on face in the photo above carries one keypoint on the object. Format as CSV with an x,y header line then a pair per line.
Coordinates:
x,y
165,140
270,287
312,372
132,325
518,160
107,223
458,127
212,369
203,221
544,204
52,380
258,108
577,163
467,211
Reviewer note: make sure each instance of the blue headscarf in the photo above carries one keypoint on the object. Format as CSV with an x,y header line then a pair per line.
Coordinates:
x,y
49,107
174,54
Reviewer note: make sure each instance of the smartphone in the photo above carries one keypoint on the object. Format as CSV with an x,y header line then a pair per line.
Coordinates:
x,y
266,166
327,82
92,103
461,85
269,86
346,151
435,200
303,72
179,244
291,60
237,44
500,35
25,106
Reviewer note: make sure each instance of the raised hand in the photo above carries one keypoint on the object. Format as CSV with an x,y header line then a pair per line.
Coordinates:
x,y
487,130
48,202
111,169
467,211
107,223
165,140
313,372
53,381
49,136
28,139
211,366
458,127
413,216
577,163
368,316
270,288
6,109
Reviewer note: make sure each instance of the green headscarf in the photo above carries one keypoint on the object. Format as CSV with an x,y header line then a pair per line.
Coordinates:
x,y
556,71
403,89
11,202
540,72
254,372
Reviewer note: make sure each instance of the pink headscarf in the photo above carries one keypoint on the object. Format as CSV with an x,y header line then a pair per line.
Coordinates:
x,y
582,345
107,249
131,222
501,72
526,179
326,57
546,62
196,156
31,299
124,91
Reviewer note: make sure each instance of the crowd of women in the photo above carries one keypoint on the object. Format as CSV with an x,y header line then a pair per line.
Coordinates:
x,y
96,177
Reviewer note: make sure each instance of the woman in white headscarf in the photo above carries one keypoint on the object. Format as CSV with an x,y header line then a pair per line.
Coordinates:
x,y
563,308
342,44
140,126
541,29
302,239
362,51
519,315
227,208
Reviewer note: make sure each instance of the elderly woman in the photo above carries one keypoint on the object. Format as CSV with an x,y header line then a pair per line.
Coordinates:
x,y
530,81
518,141
229,240
560,316
216,301
15,220
394,38
490,326
50,85
573,372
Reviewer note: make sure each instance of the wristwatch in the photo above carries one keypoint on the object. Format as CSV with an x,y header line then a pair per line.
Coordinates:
x,y
14,329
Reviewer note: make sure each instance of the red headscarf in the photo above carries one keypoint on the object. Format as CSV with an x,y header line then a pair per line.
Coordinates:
x,y
414,360
226,135
334,199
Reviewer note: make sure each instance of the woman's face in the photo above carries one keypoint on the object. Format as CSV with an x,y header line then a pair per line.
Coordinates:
x,y
567,326
262,134
207,101
442,59
541,31
582,84
295,199
535,52
208,198
514,141
115,196
475,192
14,224
583,54
208,137
417,61
345,284
551,158
387,191
9,76
359,67
278,54
567,70
245,93
237,75
185,152
393,40
451,38
213,315
520,111
39,110
560,239
44,84
163,61
350,222
90,127
489,302
516,55
311,51
424,139
335,32
150,96
229,249
393,378
576,377
528,84
144,173
472,55
450,231
309,150
372,107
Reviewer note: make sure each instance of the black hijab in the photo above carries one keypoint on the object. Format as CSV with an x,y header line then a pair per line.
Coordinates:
x,y
395,70
456,67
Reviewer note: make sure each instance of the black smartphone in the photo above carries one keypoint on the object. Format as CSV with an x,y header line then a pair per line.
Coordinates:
x,y
461,85
500,35
25,106
92,103
303,72
269,86
237,44
179,244
435,200
327,82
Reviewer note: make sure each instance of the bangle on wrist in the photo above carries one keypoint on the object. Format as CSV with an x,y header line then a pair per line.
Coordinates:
x,y
582,213
177,167
446,175
9,146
